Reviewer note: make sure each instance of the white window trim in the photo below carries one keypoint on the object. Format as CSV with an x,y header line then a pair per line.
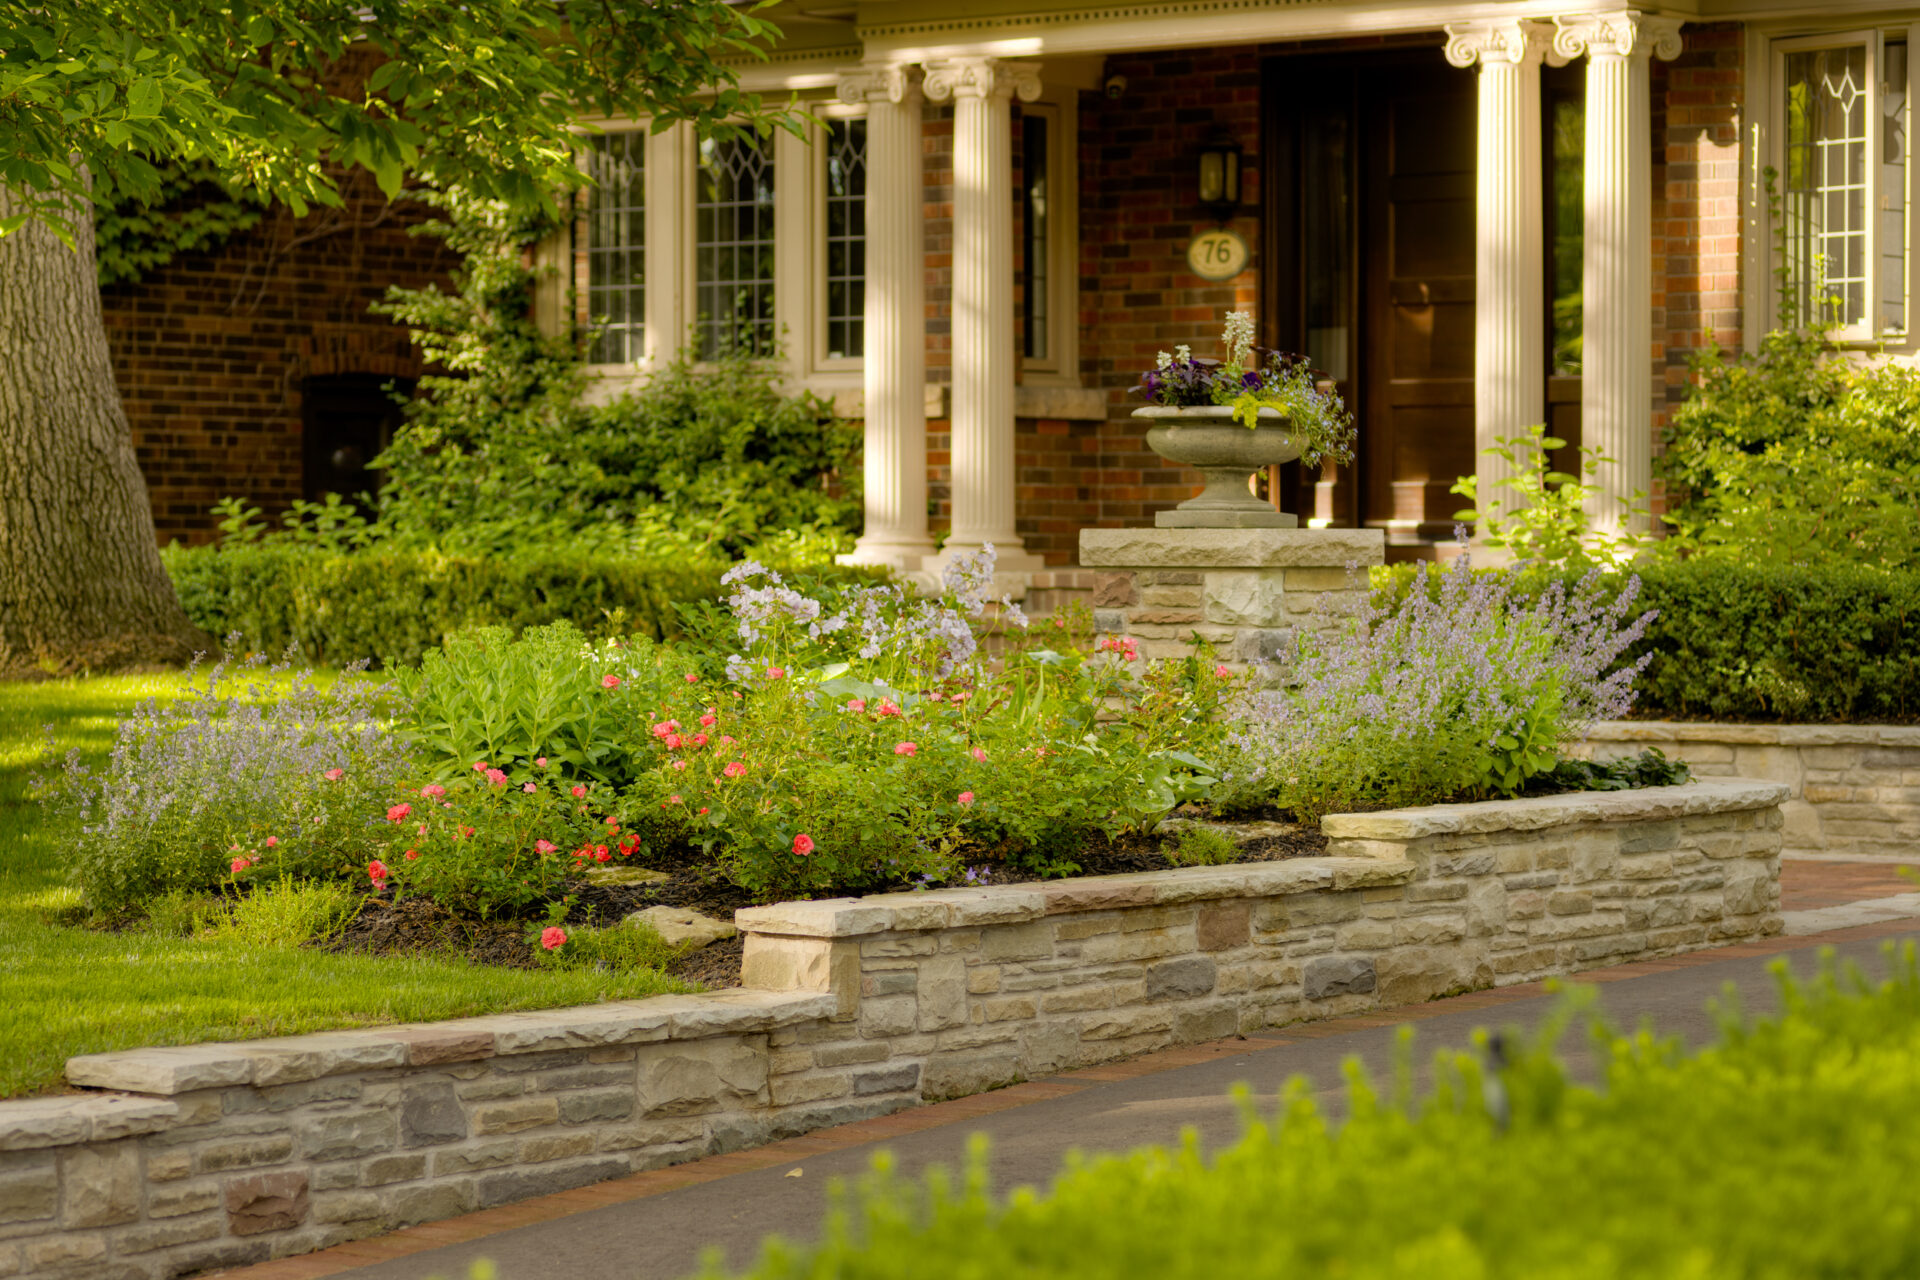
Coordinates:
x,y
1764,146
822,370
1062,366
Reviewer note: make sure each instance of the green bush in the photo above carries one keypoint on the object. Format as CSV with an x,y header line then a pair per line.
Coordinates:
x,y
393,606
1795,455
1730,641
1782,1152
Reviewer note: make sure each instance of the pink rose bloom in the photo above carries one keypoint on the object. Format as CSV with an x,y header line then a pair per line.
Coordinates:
x,y
609,682
614,823
334,775
272,841
412,854
673,799
578,792
803,844
529,788
544,846
725,741
238,865
679,764
1221,671
399,813
888,707
673,741
692,678
376,871
735,769
540,762
420,830
966,797
707,720
980,754
704,809
698,739
775,673
553,936
495,778
479,766
433,791
933,697
905,748
856,705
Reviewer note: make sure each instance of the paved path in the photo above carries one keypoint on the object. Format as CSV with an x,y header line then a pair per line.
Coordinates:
x,y
654,1226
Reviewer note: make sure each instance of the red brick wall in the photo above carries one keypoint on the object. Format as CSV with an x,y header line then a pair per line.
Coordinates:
x,y
210,351
1696,213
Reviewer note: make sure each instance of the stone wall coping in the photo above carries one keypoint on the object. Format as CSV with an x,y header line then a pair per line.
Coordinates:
x,y
1231,548
175,1069
1703,795
67,1120
1012,904
1759,735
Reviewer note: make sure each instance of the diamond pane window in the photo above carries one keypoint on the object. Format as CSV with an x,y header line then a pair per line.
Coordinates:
x,y
733,246
1825,184
1893,231
846,160
1037,246
616,246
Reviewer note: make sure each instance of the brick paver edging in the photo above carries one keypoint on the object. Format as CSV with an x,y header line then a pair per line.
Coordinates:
x,y
211,1155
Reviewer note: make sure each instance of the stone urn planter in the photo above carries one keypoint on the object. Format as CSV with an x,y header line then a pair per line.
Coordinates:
x,y
1207,437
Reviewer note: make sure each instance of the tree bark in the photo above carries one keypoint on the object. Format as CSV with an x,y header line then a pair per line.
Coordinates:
x,y
81,584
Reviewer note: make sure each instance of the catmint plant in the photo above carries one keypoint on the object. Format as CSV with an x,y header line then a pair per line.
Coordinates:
x,y
1463,692
256,764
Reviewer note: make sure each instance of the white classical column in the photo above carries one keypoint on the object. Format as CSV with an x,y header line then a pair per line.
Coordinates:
x,y
1509,291
895,350
1616,316
983,333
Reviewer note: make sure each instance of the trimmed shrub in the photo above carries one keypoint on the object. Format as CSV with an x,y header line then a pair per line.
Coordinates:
x,y
1775,1153
393,606
1831,643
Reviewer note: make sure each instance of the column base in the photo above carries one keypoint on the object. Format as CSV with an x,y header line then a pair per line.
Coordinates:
x,y
903,554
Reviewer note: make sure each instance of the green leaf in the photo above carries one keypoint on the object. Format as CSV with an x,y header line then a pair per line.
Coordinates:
x,y
145,98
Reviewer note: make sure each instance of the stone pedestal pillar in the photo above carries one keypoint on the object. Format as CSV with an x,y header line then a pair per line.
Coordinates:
x,y
896,327
1509,308
1247,592
1616,362
983,331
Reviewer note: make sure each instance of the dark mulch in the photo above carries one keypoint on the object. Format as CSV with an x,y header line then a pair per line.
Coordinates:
x,y
416,925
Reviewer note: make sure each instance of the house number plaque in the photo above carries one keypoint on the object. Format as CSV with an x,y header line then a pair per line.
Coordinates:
x,y
1217,254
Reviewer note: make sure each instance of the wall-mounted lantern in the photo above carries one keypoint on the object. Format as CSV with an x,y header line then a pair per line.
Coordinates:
x,y
1220,174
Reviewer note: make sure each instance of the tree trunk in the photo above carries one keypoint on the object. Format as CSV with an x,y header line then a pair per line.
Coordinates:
x,y
81,585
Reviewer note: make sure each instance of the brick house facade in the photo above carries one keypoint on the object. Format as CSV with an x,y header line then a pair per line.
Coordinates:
x,y
1422,293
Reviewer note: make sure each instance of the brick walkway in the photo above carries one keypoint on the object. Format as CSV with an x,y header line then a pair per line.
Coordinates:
x,y
736,1197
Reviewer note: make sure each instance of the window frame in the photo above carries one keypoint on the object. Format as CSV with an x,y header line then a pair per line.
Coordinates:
x,y
817,362
1061,367
1763,299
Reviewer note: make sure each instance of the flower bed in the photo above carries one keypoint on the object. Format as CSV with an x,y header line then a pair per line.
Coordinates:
x,y
211,1155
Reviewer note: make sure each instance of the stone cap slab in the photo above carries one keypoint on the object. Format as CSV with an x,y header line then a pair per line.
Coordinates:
x,y
1535,813
1012,904
29,1123
1757,735
1231,548
179,1069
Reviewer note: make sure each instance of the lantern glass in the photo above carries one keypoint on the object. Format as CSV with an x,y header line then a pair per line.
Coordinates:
x,y
1220,174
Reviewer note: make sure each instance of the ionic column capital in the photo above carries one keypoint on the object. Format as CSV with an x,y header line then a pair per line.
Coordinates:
x,y
1502,43
894,82
1624,35
988,78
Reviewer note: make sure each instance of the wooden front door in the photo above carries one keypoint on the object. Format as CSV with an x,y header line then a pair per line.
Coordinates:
x,y
1370,272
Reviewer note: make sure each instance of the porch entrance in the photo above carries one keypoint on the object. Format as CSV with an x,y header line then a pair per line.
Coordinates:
x,y
1369,271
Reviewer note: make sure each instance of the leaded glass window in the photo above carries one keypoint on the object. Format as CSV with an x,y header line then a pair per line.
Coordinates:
x,y
734,246
846,161
1036,314
616,218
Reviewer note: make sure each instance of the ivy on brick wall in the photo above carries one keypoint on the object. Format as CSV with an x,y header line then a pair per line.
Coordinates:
x,y
193,210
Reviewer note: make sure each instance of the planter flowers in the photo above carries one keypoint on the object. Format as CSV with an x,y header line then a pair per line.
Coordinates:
x,y
1234,417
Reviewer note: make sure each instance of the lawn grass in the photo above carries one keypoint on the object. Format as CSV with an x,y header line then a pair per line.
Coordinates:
x,y
72,990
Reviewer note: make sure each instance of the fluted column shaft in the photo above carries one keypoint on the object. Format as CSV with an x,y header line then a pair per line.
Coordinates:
x,y
1616,355
983,330
1509,308
895,449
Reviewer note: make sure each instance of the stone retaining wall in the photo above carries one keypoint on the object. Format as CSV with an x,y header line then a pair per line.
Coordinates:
x,y
184,1159
1854,789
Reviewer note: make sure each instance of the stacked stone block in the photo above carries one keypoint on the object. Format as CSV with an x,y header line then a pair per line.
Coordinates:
x,y
1247,592
190,1158
1853,789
